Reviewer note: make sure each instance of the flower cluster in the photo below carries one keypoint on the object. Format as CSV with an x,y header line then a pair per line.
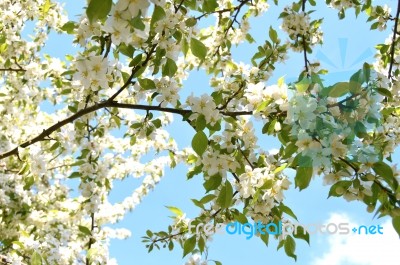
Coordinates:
x,y
73,127
304,32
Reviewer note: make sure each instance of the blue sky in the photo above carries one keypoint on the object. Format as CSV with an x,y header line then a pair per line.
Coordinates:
x,y
347,44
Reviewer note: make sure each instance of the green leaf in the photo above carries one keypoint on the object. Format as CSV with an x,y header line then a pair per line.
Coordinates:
x,y
303,85
185,46
149,233
240,217
189,245
69,27
29,181
367,71
207,198
290,246
175,210
171,245
302,234
396,224
210,6
190,22
287,210
198,48
360,129
290,150
84,230
303,177
92,254
158,14
356,80
170,68
201,244
198,203
225,195
265,238
339,188
46,7
135,61
339,89
273,35
98,9
147,84
55,146
201,123
126,50
386,172
137,23
74,175
36,259
384,92
200,142
212,183
249,38
157,123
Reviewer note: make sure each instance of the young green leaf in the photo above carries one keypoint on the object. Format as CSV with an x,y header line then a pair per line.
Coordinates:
x,y
273,35
396,224
212,183
146,83
189,245
98,9
303,85
303,177
200,142
84,230
339,89
158,14
169,68
198,48
290,246
225,195
36,259
175,210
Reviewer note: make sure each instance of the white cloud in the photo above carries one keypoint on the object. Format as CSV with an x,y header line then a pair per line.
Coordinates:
x,y
360,249
273,151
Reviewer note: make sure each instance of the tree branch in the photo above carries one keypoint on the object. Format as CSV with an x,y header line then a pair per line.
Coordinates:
x,y
392,49
349,164
303,8
342,101
12,70
221,11
105,104
179,6
134,71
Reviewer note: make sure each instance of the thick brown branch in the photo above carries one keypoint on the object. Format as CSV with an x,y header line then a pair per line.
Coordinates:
x,y
12,70
105,104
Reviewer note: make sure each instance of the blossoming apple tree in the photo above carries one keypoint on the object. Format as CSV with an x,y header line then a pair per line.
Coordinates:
x,y
127,76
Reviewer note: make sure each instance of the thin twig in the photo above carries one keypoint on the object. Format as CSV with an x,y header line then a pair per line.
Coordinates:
x,y
342,101
349,164
245,157
303,8
392,49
